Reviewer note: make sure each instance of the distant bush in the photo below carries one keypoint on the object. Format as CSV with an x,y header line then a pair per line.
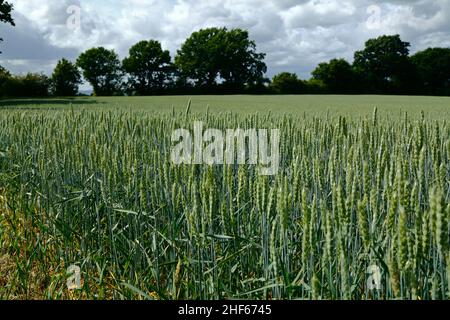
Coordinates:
x,y
316,86
287,83
29,85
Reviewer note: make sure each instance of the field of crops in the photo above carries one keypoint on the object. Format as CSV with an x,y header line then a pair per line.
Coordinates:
x,y
353,107
362,198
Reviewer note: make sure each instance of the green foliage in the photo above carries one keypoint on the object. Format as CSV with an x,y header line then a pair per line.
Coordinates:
x,y
149,67
65,79
102,69
384,65
210,54
199,58
316,86
29,85
240,63
287,83
433,67
337,75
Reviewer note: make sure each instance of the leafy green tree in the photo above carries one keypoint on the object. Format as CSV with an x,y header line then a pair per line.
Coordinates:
x,y
287,83
216,53
384,65
433,67
240,63
65,79
102,69
5,14
149,67
337,75
200,56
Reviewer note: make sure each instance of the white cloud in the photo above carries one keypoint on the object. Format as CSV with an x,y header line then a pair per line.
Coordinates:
x,y
295,34
322,13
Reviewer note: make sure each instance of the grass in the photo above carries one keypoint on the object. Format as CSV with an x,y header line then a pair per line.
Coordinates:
x,y
89,182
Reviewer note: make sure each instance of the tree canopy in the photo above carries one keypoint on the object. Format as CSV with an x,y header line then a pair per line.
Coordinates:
x,y
199,57
29,85
433,68
287,83
102,69
241,64
337,75
216,54
148,66
65,79
384,64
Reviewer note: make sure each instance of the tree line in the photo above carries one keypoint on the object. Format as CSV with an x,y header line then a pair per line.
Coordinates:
x,y
222,61
384,66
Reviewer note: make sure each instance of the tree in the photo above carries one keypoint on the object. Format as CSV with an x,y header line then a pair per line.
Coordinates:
x,y
65,79
102,69
216,53
240,63
337,75
149,67
5,14
384,65
433,67
199,56
287,83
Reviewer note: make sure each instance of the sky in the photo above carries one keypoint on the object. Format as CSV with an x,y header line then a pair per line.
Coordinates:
x,y
296,35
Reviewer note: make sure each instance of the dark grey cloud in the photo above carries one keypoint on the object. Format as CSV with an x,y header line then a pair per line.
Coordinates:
x,y
28,43
27,49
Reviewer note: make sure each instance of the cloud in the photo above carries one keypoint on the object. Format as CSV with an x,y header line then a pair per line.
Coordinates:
x,y
28,49
318,13
295,34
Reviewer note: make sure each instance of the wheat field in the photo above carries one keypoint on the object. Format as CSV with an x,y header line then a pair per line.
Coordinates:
x,y
95,187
